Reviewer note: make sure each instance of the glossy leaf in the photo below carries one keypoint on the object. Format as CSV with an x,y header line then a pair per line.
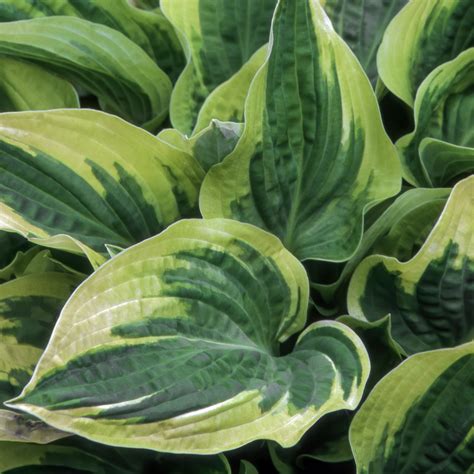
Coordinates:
x,y
419,418
79,179
103,61
361,23
425,34
25,86
29,306
173,346
430,297
444,115
399,232
210,146
296,172
219,37
149,30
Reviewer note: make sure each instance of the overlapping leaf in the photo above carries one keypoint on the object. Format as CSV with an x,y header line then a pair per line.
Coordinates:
x,y
430,297
398,232
29,306
25,86
219,37
79,179
313,156
361,24
420,417
101,60
442,145
173,346
425,34
149,30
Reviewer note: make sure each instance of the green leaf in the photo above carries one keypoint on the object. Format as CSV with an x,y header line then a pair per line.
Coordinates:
x,y
25,86
425,34
79,179
430,296
247,468
210,146
313,155
399,232
361,23
219,37
11,244
420,417
149,30
442,145
101,60
29,306
173,346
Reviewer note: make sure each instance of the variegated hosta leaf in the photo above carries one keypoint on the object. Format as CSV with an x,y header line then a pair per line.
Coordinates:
x,y
173,346
101,60
420,417
226,103
362,23
210,146
79,179
425,34
399,232
29,306
313,155
10,244
25,86
219,37
76,455
430,297
444,111
149,30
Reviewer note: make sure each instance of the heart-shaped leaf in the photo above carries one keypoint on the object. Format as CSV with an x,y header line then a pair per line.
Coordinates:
x,y
173,346
80,179
429,297
99,59
425,34
149,30
442,145
25,86
419,418
313,155
361,23
219,36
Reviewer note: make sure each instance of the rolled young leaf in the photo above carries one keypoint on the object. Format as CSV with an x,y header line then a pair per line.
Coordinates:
x,y
29,306
313,155
173,345
420,417
149,30
103,61
430,296
79,179
425,34
218,36
25,86
361,24
444,112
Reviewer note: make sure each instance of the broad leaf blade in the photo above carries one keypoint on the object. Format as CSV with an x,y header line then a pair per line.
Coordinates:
x,y
218,37
80,179
101,60
296,172
444,114
419,418
425,34
149,30
361,23
179,343
430,296
25,86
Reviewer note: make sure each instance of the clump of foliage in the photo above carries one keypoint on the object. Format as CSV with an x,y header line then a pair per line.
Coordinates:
x,y
237,236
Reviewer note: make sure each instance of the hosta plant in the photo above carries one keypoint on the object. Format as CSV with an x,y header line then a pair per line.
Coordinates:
x,y
237,236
